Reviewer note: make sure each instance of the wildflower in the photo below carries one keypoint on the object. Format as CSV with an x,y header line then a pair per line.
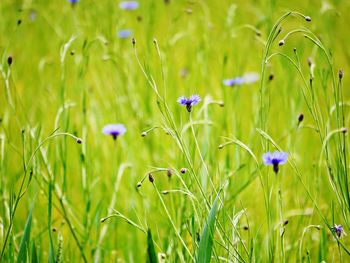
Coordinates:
x,y
9,60
73,1
247,78
124,33
189,102
129,5
114,129
338,230
275,159
232,82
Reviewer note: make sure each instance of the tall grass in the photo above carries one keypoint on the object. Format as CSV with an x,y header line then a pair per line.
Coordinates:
x,y
178,186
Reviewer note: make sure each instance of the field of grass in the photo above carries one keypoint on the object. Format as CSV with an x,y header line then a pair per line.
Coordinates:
x,y
178,185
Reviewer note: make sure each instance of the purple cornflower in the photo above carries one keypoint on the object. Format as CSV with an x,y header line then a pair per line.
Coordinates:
x,y
338,230
124,33
129,5
114,129
247,78
189,102
232,82
276,158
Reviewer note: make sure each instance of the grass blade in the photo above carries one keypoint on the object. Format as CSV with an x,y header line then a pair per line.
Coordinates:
x,y
151,253
24,246
206,241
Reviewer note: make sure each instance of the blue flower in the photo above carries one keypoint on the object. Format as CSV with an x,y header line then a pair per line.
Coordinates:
x,y
129,5
189,102
338,230
247,78
124,33
114,129
275,159
232,82
73,1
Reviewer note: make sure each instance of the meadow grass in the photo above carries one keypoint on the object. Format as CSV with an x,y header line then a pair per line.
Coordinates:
x,y
183,183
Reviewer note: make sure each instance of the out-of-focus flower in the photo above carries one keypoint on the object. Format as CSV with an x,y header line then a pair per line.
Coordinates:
x,y
276,158
124,33
338,230
129,5
247,78
114,129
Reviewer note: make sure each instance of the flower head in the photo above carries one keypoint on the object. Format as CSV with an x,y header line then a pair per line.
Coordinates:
x,y
247,78
73,1
338,230
129,5
124,33
114,129
232,82
276,158
189,102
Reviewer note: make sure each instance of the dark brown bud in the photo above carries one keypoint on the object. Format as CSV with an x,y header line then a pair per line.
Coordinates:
x,y
245,227
133,41
341,74
9,60
151,178
220,146
139,184
281,42
286,222
79,141
54,229
19,21
143,134
183,170
72,52
344,130
169,172
309,61
308,19
301,117
271,76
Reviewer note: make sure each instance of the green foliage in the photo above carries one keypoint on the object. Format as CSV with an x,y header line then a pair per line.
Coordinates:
x,y
206,240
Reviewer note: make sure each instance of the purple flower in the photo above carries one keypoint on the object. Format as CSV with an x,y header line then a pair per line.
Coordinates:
x,y
247,78
124,33
338,230
275,159
129,5
73,1
189,102
232,82
114,129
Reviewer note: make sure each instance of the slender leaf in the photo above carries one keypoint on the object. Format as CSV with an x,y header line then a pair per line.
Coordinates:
x,y
24,246
151,253
34,254
206,242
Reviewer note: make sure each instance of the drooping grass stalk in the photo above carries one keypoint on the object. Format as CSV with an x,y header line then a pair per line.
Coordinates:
x,y
104,228
172,222
22,190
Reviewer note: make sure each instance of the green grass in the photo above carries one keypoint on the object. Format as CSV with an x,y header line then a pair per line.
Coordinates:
x,y
69,193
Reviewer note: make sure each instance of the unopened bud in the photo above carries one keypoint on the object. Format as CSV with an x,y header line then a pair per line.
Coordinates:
x,y
220,146
143,134
344,130
133,41
308,19
286,222
271,76
281,42
301,117
9,60
169,172
183,170
341,74
151,178
139,184
79,141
